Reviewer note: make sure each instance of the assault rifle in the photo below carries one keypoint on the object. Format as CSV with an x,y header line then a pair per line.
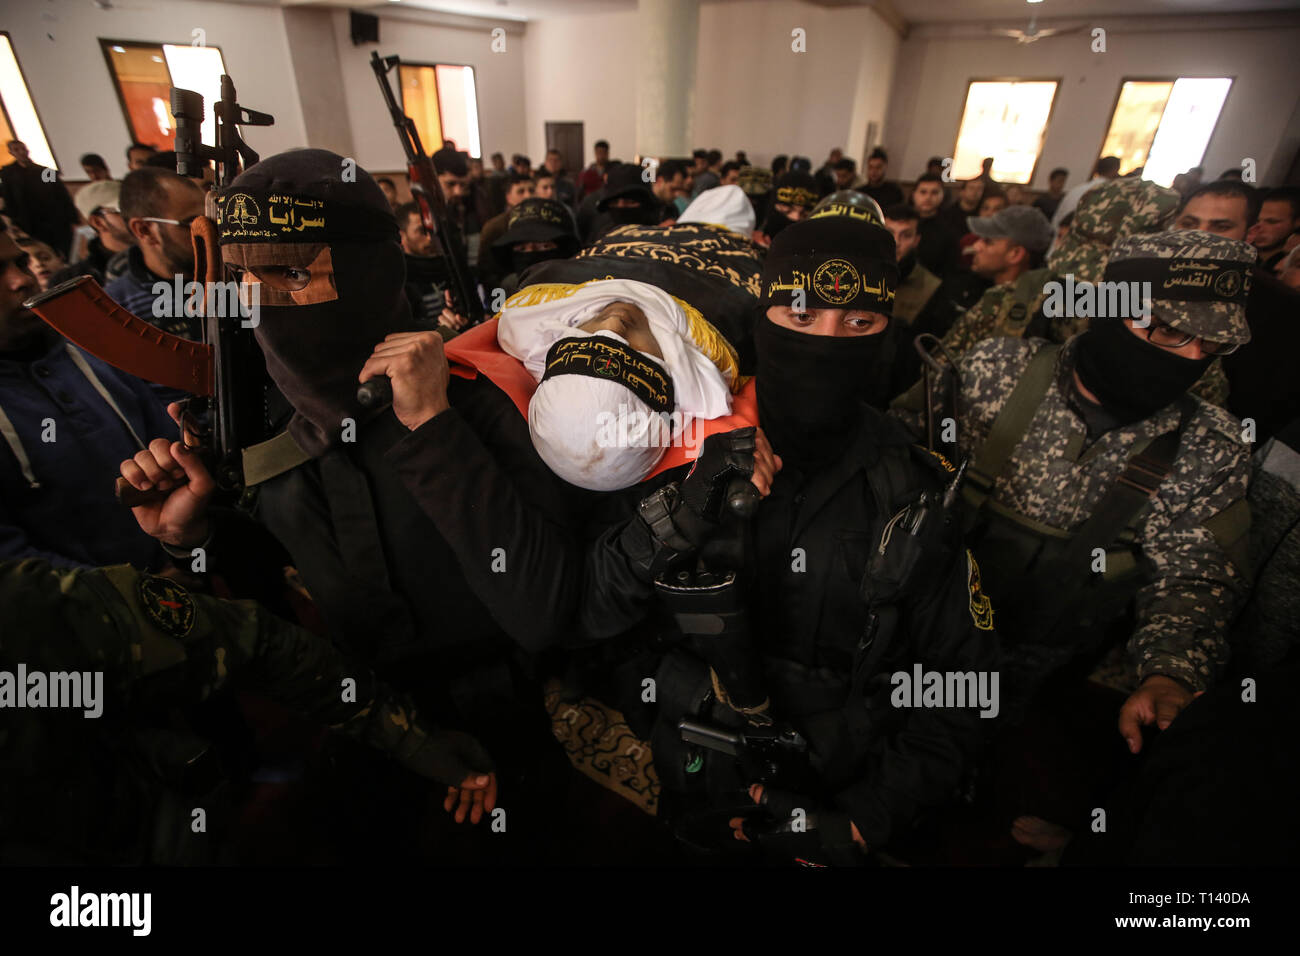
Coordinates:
x,y
435,216
931,349
771,755
225,370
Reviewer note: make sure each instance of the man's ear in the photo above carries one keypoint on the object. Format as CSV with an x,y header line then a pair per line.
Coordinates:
x,y
140,229
1017,254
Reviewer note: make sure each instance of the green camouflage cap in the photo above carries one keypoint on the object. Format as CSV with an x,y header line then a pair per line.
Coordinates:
x,y
755,180
1199,281
1106,214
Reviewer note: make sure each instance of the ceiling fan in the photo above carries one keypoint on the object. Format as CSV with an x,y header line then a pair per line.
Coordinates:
x,y
1031,33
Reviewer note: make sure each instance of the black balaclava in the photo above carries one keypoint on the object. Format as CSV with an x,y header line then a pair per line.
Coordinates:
x,y
519,261
645,214
315,210
537,220
1131,377
625,182
793,189
811,387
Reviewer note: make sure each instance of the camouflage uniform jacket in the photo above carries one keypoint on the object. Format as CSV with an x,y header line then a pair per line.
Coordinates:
x,y
1195,568
160,646
992,315
996,314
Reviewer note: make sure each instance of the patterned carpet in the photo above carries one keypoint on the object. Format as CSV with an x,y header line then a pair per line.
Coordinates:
x,y
602,747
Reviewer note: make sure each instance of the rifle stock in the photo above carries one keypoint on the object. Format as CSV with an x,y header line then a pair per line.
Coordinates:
x,y
225,370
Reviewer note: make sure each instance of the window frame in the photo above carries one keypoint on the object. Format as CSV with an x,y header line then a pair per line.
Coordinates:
x,y
106,47
1119,91
401,92
1051,114
31,95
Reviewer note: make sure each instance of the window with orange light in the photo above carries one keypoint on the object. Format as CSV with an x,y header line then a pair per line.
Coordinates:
x,y
1005,120
143,75
442,100
18,119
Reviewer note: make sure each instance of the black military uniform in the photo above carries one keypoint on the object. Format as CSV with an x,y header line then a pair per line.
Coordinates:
x,y
850,574
439,554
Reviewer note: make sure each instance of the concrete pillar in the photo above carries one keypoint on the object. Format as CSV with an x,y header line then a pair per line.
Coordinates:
x,y
667,34
316,69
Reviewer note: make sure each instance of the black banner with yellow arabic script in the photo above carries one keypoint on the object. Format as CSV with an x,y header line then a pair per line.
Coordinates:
x,y
254,216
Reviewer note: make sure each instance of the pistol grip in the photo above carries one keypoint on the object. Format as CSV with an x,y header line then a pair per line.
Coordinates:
x,y
375,392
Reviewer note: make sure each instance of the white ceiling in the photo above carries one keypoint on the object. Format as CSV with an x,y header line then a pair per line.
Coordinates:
x,y
913,11
941,11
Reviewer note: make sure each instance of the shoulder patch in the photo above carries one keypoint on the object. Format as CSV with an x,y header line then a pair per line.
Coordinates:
x,y
981,608
167,605
934,459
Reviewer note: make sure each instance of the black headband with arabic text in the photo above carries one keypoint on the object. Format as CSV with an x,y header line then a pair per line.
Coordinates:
x,y
278,216
1186,279
831,282
606,358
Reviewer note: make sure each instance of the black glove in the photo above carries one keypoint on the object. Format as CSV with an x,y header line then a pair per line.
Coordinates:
x,y
724,457
682,518
795,827
449,756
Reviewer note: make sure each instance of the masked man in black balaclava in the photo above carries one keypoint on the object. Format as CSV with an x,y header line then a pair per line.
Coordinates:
x,y
392,516
791,199
627,200
538,230
852,576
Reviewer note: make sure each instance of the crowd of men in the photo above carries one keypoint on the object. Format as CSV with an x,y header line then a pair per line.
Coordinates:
x,y
772,515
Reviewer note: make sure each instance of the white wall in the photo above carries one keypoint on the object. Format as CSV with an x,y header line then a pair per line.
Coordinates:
x,y
582,69
74,94
499,79
934,68
752,92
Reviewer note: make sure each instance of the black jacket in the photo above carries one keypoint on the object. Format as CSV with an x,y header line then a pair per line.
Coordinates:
x,y
39,207
938,249
1262,383
448,542
812,541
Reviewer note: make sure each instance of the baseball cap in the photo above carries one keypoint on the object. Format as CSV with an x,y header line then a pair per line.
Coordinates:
x,y
1200,281
1023,225
95,195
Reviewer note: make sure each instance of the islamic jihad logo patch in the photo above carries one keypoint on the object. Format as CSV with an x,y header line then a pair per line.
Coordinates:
x,y
241,209
981,608
1228,284
167,605
836,281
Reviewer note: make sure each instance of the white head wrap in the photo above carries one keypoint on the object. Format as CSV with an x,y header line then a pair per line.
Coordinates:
x,y
597,434
722,206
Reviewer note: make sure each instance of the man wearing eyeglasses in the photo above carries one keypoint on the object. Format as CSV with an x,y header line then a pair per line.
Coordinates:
x,y
158,207
1103,499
